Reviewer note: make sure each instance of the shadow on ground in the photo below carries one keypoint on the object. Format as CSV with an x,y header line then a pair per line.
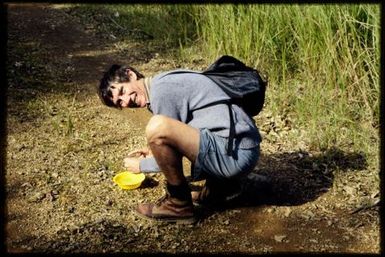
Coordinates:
x,y
294,178
299,177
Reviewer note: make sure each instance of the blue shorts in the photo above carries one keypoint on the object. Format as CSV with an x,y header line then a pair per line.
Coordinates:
x,y
213,160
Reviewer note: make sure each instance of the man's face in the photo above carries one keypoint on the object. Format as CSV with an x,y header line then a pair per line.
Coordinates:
x,y
129,94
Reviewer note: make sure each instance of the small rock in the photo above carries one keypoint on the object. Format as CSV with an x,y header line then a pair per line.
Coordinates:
x,y
231,212
287,212
375,194
53,195
109,202
18,64
279,238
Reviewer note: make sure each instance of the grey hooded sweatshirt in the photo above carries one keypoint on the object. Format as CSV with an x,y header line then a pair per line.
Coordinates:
x,y
180,96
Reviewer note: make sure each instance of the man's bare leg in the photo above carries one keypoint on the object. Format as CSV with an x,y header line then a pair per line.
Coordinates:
x,y
170,140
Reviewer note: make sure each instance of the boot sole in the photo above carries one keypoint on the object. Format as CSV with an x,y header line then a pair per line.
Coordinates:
x,y
181,221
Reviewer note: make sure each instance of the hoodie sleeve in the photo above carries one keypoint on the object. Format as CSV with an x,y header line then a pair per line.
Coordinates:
x,y
148,165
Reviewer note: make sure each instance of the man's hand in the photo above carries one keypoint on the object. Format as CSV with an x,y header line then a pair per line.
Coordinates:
x,y
144,152
133,159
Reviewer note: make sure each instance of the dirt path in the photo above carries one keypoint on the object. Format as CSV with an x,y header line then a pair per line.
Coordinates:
x,y
64,147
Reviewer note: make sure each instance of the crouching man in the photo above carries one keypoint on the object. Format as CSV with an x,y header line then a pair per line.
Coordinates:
x,y
184,124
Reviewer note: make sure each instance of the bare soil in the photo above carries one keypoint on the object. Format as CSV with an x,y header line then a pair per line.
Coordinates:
x,y
64,147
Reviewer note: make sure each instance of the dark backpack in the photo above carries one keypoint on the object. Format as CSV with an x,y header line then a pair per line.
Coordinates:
x,y
242,83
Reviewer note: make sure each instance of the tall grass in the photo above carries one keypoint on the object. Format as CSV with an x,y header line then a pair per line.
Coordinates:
x,y
323,62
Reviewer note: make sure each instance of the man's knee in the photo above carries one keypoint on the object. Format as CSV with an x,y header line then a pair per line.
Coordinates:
x,y
156,129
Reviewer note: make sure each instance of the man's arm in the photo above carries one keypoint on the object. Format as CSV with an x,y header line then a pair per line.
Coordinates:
x,y
148,165
141,161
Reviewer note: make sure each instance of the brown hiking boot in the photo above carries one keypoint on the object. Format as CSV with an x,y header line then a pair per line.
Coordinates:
x,y
168,209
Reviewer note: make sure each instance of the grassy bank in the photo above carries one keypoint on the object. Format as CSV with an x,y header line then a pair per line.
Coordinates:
x,y
322,61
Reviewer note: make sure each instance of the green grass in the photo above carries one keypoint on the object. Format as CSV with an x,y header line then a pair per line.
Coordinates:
x,y
331,52
322,61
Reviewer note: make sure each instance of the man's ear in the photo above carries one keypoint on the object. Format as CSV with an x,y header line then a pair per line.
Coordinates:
x,y
131,75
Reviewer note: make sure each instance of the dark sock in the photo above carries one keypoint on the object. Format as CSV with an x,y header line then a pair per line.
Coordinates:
x,y
181,192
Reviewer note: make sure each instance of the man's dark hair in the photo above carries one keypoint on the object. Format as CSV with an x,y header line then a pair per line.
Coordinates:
x,y
115,74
